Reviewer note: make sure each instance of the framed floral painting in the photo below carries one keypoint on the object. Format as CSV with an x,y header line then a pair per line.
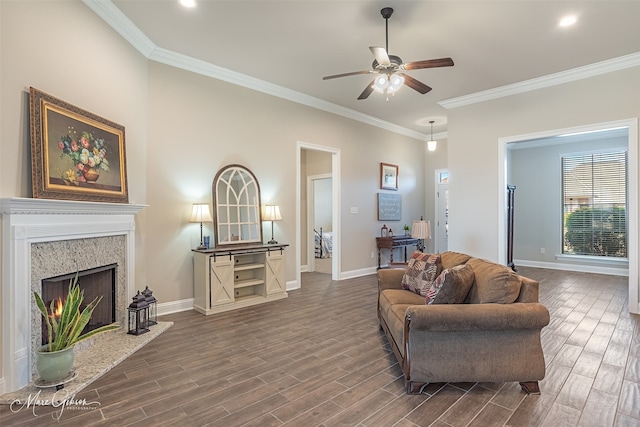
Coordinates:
x,y
75,154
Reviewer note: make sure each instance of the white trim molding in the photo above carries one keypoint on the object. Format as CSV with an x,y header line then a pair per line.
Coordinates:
x,y
603,67
612,271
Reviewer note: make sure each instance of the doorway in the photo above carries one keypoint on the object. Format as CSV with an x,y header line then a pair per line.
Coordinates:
x,y
304,168
442,211
632,216
319,223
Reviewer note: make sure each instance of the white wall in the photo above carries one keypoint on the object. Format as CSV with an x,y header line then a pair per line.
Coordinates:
x,y
474,131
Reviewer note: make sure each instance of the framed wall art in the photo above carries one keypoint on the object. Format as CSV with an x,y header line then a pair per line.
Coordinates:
x,y
389,207
75,154
388,176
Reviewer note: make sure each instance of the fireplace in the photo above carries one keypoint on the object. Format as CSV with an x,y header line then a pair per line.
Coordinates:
x,y
43,239
94,283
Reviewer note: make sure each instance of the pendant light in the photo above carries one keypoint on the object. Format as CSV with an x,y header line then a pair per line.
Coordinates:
x,y
431,144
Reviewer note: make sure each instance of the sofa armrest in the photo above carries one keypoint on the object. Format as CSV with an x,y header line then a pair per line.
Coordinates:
x,y
528,290
468,317
390,279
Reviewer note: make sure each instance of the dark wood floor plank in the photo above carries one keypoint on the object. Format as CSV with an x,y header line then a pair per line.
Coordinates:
x,y
318,358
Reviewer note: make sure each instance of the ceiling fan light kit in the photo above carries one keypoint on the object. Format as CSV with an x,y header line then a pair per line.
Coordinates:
x,y
391,68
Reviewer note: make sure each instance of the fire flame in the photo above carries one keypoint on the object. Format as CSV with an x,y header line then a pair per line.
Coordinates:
x,y
57,312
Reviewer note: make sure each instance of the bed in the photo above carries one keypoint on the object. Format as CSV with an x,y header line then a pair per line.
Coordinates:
x,y
323,243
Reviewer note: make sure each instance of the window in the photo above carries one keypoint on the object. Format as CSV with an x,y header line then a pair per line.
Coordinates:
x,y
594,190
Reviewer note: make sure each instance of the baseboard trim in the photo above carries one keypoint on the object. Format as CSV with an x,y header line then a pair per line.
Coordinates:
x,y
357,273
175,306
292,285
572,267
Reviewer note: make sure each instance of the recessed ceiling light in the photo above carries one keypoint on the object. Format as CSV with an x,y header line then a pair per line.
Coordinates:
x,y
568,21
188,3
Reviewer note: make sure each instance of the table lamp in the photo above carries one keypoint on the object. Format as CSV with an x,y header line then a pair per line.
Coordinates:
x,y
421,230
271,213
200,213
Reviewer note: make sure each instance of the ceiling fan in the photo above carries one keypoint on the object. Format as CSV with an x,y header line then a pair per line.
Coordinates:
x,y
391,68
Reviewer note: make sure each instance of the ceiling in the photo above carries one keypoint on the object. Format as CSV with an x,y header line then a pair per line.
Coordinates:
x,y
293,44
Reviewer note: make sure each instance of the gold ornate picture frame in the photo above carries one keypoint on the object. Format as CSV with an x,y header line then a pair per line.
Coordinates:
x,y
75,154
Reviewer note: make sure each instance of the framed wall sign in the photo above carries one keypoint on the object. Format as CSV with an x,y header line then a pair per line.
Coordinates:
x,y
388,176
389,207
75,154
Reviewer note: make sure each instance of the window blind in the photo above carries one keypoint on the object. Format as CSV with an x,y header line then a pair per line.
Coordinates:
x,y
594,190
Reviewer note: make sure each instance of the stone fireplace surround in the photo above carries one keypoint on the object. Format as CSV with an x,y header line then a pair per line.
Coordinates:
x,y
43,238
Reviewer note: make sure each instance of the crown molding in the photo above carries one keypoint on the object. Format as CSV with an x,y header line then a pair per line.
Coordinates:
x,y
204,68
114,17
603,67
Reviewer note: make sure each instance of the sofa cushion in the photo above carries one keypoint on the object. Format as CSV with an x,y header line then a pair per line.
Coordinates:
x,y
422,271
451,286
451,259
494,283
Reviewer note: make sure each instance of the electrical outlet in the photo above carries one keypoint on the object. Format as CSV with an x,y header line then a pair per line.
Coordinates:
x,y
373,255
541,250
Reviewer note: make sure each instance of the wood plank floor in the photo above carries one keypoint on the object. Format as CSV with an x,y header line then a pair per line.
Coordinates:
x,y
318,358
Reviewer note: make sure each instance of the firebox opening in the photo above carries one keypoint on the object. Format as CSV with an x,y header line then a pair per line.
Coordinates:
x,y
94,282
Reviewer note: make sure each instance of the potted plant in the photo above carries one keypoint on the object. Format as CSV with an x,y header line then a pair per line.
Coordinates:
x,y
64,330
407,232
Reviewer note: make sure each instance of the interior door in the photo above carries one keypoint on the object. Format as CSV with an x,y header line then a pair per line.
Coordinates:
x,y
442,211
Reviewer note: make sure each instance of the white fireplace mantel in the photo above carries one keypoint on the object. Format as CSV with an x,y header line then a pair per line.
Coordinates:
x,y
26,221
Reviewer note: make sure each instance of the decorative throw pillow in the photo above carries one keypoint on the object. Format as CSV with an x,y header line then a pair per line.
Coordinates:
x,y
422,271
494,283
451,286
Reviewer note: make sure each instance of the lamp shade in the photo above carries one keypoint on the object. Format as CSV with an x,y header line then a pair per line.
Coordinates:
x,y
271,213
380,83
432,143
421,230
200,213
396,82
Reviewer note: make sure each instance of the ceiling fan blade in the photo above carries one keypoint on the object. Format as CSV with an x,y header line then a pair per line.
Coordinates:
x,y
415,84
381,55
367,91
353,73
429,63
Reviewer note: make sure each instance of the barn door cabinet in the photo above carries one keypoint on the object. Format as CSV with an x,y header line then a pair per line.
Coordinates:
x,y
226,279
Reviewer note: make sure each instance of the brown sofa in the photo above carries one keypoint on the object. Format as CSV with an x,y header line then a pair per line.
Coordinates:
x,y
489,338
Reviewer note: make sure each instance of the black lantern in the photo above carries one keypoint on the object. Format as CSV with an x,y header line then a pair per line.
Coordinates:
x,y
152,302
138,315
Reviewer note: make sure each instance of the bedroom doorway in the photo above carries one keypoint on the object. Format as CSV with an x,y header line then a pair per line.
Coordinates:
x,y
319,208
313,160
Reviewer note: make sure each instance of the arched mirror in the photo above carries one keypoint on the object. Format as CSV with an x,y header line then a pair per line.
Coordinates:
x,y
236,207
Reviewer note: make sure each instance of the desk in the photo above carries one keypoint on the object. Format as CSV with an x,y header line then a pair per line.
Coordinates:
x,y
395,242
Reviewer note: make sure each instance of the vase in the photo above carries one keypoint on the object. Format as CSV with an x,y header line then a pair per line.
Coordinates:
x,y
54,366
91,175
